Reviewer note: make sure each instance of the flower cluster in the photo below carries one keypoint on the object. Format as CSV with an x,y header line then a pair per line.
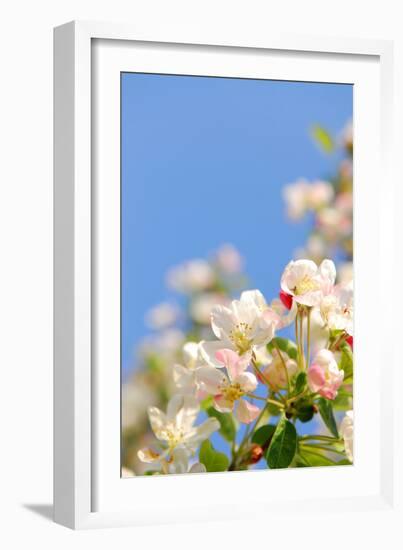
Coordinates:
x,y
248,375
168,355
329,204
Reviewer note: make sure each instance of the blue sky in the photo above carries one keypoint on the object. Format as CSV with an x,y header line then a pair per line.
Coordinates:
x,y
204,161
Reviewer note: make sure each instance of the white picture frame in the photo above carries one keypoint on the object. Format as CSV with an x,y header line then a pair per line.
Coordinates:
x,y
88,491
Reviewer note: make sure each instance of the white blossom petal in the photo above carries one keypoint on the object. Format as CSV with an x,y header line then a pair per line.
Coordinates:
x,y
247,381
246,412
208,352
197,468
211,379
158,421
222,321
203,431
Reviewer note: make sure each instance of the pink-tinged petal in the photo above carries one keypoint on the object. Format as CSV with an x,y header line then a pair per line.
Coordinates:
x,y
227,357
327,270
286,299
232,361
350,341
208,351
246,412
247,381
316,377
328,393
222,404
271,316
211,379
201,394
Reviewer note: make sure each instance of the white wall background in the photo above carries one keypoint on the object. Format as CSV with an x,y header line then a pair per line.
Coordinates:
x,y
26,244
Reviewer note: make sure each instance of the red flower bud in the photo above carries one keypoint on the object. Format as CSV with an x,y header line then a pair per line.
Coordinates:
x,y
256,453
286,299
350,341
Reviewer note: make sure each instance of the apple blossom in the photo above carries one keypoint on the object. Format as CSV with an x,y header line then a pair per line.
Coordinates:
x,y
176,428
334,223
164,344
324,376
337,309
137,395
345,273
306,282
275,373
162,316
201,305
231,388
184,376
192,276
320,194
240,327
228,259
295,195
180,463
281,311
126,472
315,248
347,135
346,431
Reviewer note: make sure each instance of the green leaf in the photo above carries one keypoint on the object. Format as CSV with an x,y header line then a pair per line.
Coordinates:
x,y
227,423
346,362
285,345
322,138
212,460
300,382
315,458
342,401
283,445
326,412
263,435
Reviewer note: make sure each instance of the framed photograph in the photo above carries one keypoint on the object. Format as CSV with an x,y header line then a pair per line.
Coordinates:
x,y
223,219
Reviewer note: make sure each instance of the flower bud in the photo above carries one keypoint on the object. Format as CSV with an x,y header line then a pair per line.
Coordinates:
x,y
286,299
254,454
350,341
324,376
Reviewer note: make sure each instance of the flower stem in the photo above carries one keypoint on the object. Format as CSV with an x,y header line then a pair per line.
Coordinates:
x,y
297,338
267,400
301,333
284,365
260,374
308,352
249,432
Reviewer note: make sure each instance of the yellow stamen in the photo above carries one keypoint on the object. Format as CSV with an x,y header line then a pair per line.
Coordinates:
x,y
306,284
240,337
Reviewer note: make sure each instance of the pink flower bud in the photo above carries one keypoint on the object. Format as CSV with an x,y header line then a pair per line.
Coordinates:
x,y
324,376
